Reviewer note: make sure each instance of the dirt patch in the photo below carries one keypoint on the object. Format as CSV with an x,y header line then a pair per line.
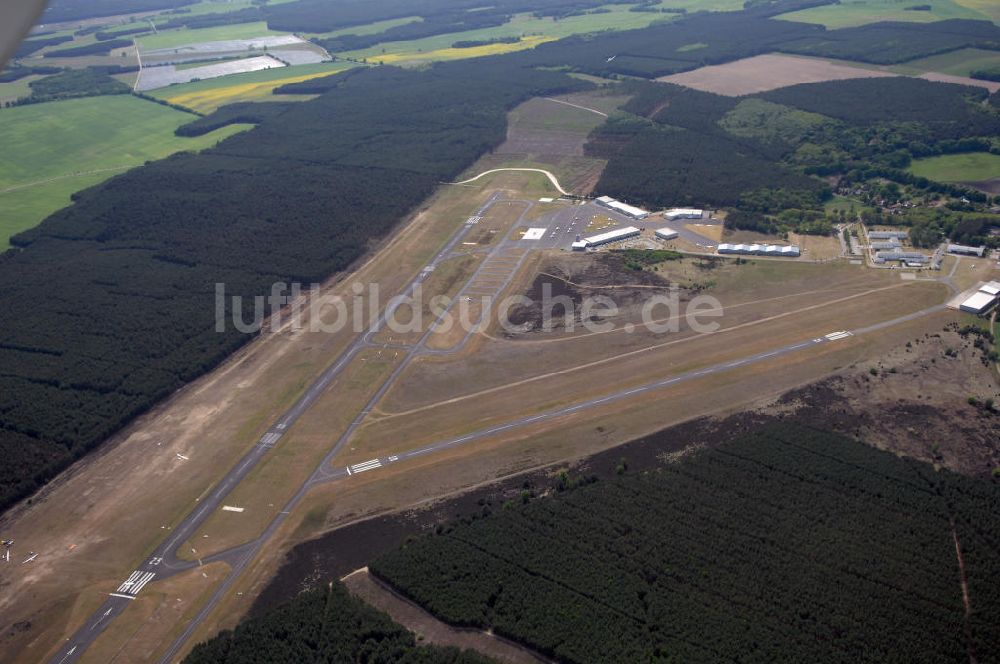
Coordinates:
x,y
767,72
578,278
992,86
986,186
915,403
428,629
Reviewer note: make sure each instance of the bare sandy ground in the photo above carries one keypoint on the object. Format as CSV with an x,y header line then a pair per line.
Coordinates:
x,y
961,80
767,72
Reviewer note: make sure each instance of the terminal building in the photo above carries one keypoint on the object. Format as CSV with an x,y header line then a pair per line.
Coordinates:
x,y
965,250
622,208
788,251
888,235
683,213
616,235
666,233
983,300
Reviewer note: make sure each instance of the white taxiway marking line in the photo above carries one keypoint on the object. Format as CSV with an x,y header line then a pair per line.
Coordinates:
x,y
68,653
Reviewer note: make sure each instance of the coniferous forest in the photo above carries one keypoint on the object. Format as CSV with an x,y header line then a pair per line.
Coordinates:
x,y
786,545
109,303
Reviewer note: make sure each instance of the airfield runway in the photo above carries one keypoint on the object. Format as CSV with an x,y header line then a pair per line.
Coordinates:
x,y
491,277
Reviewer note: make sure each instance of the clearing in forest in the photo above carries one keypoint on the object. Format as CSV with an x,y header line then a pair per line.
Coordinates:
x,y
767,72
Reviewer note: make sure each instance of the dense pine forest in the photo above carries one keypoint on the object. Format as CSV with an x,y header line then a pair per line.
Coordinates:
x,y
764,156
785,545
326,625
109,303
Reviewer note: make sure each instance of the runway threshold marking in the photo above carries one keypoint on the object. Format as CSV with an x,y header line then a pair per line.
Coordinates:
x,y
133,584
362,467
836,336
269,439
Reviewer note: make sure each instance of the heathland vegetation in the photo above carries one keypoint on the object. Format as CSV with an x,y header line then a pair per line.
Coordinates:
x,y
788,544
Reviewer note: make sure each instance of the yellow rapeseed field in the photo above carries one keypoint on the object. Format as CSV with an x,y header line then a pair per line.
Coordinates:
x,y
459,53
206,101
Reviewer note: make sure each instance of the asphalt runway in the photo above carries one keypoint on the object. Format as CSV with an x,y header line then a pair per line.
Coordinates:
x,y
163,562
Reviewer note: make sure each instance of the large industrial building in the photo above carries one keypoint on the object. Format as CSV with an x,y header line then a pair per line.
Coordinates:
x,y
666,233
965,250
886,244
983,300
888,235
789,251
683,213
623,208
911,258
611,236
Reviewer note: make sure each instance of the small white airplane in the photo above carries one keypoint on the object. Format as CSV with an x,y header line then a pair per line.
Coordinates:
x,y
30,558
182,457
612,58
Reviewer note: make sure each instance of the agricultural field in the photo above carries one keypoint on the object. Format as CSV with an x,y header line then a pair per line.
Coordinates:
x,y
367,29
17,89
153,78
74,144
969,167
852,13
208,95
956,63
768,72
534,30
174,38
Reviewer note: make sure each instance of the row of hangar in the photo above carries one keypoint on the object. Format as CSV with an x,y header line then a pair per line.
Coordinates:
x,y
791,251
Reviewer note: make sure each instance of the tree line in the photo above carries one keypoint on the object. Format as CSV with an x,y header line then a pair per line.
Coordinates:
x,y
326,625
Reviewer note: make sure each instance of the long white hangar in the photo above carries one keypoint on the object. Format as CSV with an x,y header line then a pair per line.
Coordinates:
x,y
616,235
623,208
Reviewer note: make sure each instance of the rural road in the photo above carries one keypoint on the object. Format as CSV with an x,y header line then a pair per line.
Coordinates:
x,y
550,176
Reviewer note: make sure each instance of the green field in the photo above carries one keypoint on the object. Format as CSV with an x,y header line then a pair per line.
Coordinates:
x,y
17,89
206,96
971,167
956,63
181,36
367,29
48,151
438,47
851,13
